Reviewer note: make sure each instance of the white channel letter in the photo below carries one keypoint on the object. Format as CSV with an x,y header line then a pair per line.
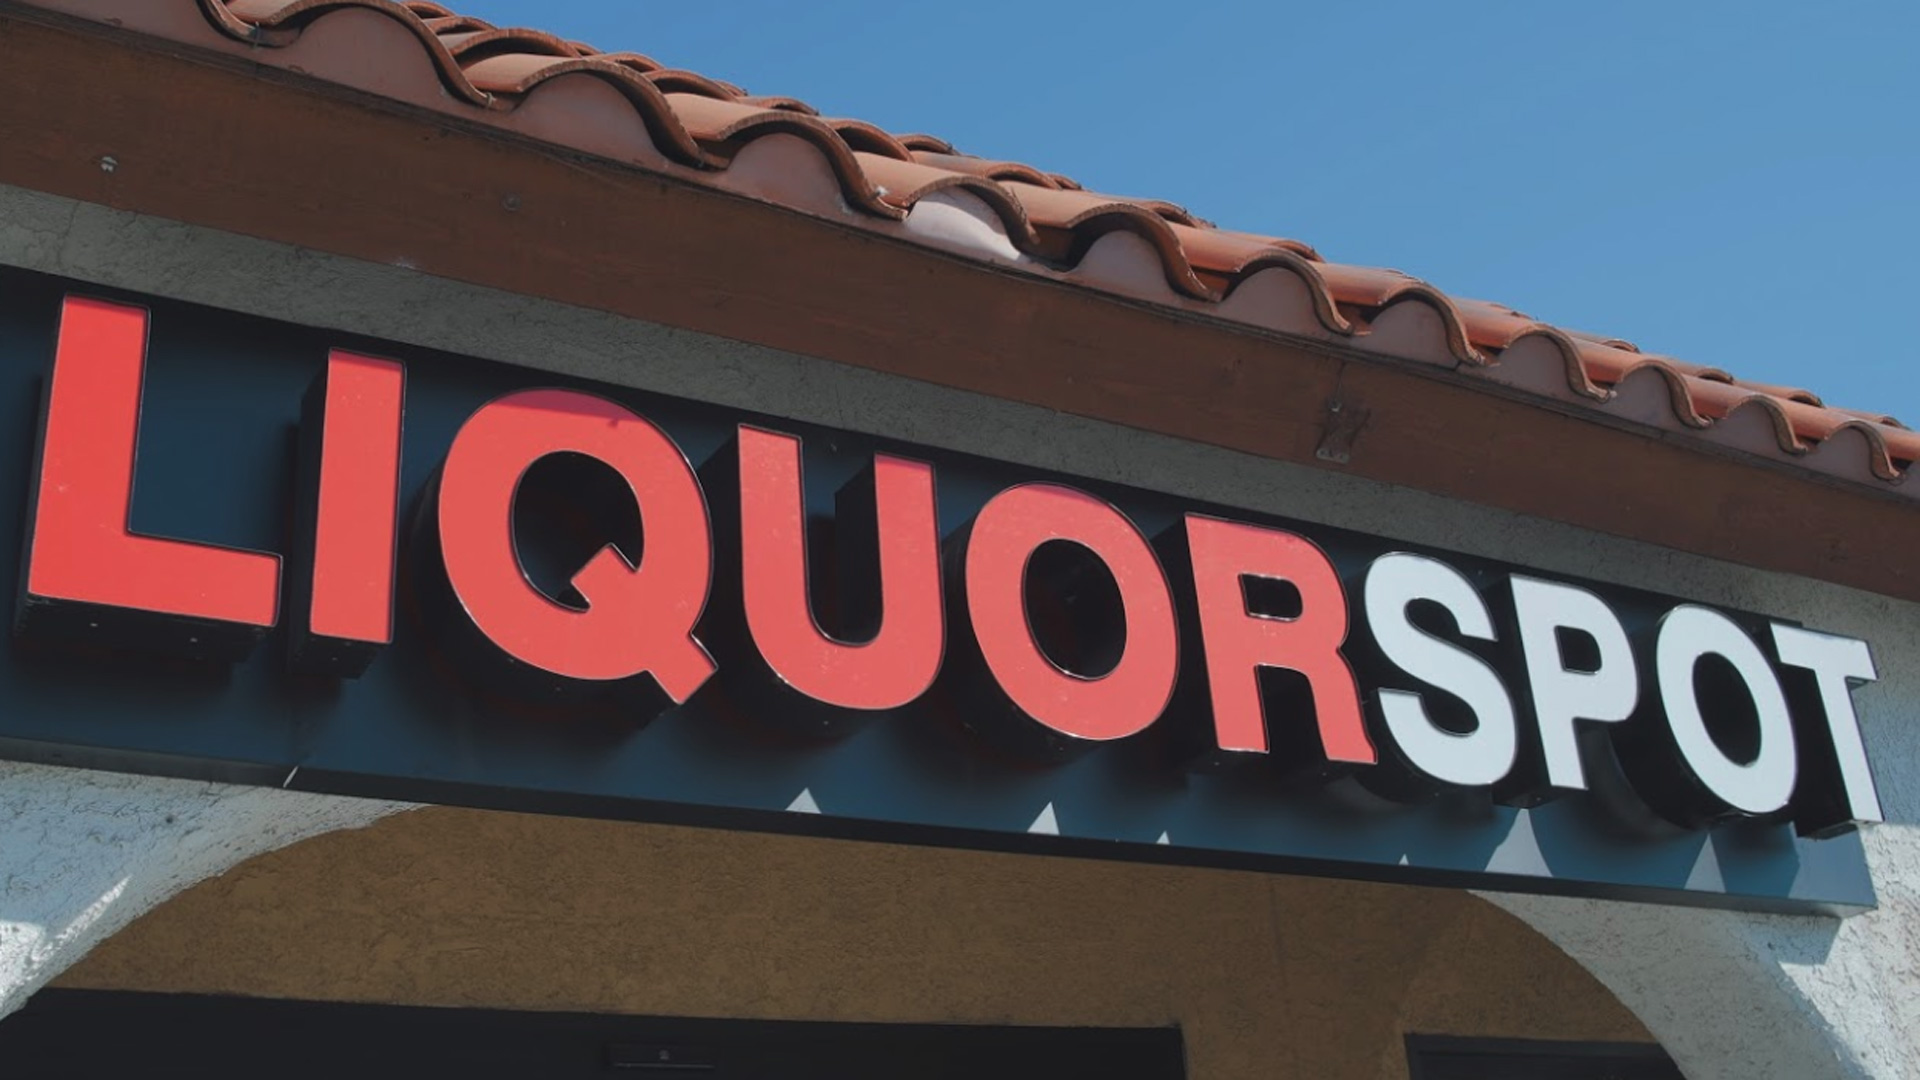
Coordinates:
x,y
1482,756
1762,786
1834,660
1561,695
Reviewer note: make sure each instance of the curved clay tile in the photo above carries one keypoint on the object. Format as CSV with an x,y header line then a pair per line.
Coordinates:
x,y
1800,428
676,81
1653,393
1874,417
1603,361
1716,400
766,101
468,46
283,12
1606,364
276,23
1173,212
870,139
722,127
1084,217
1835,455
1374,287
1492,326
1698,371
1235,257
1755,423
518,74
1856,452
904,183
1489,305
453,24
1903,445
267,16
1367,286
982,167
1603,339
241,18
1790,393
918,141
1230,252
639,63
1400,321
1814,423
1545,360
1304,249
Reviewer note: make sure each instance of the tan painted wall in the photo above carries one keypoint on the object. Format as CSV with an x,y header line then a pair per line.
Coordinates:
x,y
1268,976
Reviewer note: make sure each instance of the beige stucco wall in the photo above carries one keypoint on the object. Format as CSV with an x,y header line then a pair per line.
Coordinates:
x,y
1267,976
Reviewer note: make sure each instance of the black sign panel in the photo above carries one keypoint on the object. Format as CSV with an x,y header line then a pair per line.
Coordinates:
x,y
587,600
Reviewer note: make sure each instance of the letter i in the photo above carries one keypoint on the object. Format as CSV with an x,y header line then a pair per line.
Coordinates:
x,y
343,565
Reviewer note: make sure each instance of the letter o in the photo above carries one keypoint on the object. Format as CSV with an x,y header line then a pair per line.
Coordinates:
x,y
1763,785
1005,535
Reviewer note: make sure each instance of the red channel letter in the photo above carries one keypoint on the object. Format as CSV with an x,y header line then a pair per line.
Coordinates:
x,y
83,548
1238,643
1008,530
900,663
639,618
358,499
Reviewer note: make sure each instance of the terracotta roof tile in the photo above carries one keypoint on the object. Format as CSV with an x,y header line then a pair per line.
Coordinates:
x,y
711,132
857,133
987,168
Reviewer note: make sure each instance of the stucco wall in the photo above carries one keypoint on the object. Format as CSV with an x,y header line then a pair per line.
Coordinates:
x,y
1756,997
84,853
1267,976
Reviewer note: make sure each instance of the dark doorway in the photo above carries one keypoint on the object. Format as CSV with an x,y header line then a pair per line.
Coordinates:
x,y
1435,1057
96,1035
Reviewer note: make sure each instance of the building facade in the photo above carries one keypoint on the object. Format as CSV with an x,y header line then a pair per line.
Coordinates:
x,y
215,810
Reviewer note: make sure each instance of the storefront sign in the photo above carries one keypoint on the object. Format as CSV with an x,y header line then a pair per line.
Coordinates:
x,y
253,553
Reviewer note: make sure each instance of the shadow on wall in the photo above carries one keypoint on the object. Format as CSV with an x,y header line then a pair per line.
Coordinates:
x,y
1264,974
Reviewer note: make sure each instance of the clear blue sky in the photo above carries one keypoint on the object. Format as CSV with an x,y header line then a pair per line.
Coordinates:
x,y
1732,183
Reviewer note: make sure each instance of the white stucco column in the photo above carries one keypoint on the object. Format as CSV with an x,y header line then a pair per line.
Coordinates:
x,y
1735,996
84,853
